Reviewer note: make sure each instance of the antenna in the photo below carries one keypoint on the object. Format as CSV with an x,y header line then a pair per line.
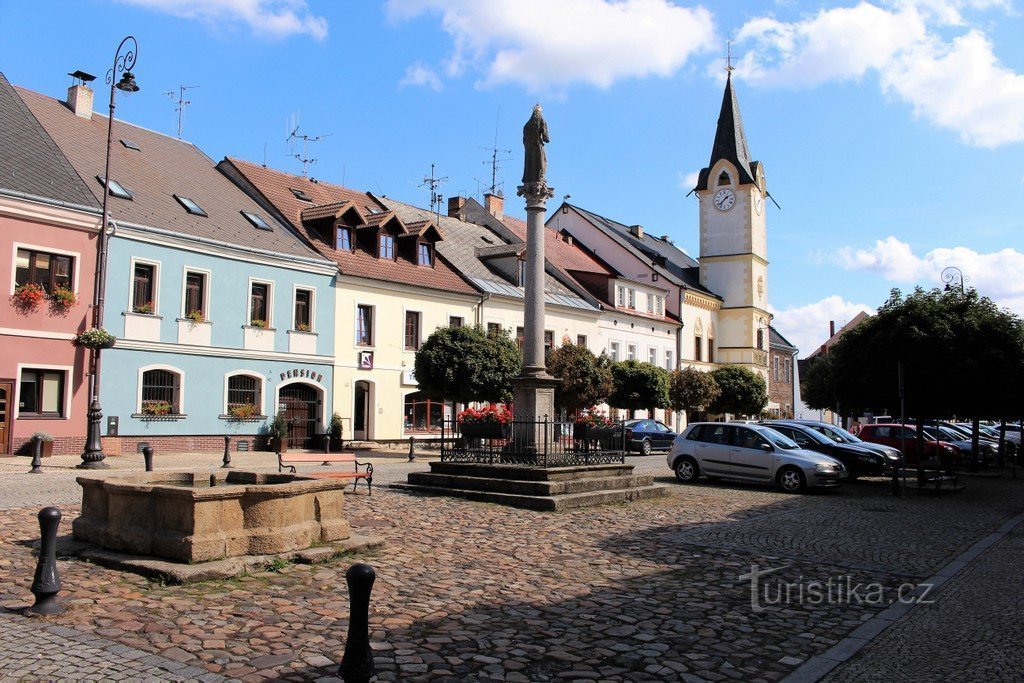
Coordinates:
x,y
179,98
294,135
435,196
495,161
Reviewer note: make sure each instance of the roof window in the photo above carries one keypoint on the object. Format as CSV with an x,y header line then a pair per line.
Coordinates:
x,y
257,221
116,188
301,194
190,205
374,210
130,144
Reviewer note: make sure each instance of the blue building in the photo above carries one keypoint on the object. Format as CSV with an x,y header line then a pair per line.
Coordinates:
x,y
224,316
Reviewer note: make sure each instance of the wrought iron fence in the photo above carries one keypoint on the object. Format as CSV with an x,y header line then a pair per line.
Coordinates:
x,y
531,442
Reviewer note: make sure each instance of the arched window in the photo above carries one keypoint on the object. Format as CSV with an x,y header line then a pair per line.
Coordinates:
x,y
245,395
760,339
161,392
723,179
425,415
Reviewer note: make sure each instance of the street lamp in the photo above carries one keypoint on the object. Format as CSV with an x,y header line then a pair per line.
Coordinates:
x,y
92,457
954,277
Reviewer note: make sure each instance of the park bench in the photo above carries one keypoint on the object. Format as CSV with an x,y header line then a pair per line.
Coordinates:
x,y
289,460
939,475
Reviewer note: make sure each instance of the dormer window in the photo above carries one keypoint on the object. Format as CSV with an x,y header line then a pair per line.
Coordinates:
x,y
343,239
116,188
425,254
387,246
190,205
723,179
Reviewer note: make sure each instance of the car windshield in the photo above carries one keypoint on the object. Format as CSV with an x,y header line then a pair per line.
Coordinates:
x,y
779,440
836,433
942,433
814,436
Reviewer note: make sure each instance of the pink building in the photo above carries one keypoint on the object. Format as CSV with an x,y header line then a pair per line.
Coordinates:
x,y
48,231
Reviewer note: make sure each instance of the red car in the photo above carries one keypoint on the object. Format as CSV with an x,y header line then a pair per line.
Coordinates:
x,y
888,434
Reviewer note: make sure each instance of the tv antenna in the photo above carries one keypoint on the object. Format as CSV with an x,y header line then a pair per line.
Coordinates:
x,y
179,98
496,161
294,135
435,197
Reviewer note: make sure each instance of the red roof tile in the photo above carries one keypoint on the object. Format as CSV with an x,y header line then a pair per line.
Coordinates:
x,y
560,253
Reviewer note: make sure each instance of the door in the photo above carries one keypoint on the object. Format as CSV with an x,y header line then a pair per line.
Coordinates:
x,y
713,450
750,460
301,410
662,435
6,397
360,411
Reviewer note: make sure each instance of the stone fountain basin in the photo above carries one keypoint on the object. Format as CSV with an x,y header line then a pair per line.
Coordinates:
x,y
179,516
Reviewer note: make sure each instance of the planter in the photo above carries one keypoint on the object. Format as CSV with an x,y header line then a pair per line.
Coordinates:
x,y
485,430
47,449
279,445
602,433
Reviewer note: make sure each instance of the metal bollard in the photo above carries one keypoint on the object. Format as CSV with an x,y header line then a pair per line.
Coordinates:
x,y
37,456
412,448
227,452
357,662
147,454
46,583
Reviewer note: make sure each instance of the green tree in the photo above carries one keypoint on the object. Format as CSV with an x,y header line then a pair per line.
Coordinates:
x,y
638,385
586,380
744,392
466,364
692,390
817,384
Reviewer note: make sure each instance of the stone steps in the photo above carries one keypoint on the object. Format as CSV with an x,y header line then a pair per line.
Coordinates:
x,y
527,487
531,473
552,503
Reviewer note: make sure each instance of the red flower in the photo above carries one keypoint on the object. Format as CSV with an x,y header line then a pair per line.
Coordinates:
x,y
487,415
27,296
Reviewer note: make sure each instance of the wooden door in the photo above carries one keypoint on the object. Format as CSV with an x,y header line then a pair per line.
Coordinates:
x,y
301,408
6,417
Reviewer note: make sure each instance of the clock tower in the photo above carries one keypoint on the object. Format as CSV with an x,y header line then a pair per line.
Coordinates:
x,y
733,241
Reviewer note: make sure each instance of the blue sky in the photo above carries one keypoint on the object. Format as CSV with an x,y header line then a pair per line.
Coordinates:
x,y
892,131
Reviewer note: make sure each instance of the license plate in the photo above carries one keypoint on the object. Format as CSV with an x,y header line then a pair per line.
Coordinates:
x,y
842,475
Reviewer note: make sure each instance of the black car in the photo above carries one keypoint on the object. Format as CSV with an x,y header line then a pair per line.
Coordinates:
x,y
648,435
859,462
840,435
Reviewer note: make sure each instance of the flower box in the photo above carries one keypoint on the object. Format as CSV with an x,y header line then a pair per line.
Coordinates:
x,y
485,430
94,338
27,296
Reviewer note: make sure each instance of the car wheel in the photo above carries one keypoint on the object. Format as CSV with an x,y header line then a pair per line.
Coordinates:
x,y
645,447
792,480
687,470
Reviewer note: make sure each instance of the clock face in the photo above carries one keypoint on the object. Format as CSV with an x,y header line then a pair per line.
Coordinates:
x,y
758,204
724,200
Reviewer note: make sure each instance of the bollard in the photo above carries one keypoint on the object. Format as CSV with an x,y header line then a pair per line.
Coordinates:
x,y
46,583
357,662
147,454
412,448
37,456
227,452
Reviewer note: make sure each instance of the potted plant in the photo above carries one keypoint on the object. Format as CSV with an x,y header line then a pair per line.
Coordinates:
x,y
27,296
491,422
156,408
47,442
591,424
243,411
196,316
302,327
94,338
63,298
334,432
145,309
261,324
278,432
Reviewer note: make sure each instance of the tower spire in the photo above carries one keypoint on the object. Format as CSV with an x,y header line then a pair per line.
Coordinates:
x,y
730,139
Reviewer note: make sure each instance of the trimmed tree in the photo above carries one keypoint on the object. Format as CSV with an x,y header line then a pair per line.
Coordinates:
x,y
466,364
744,392
586,380
692,390
638,385
817,384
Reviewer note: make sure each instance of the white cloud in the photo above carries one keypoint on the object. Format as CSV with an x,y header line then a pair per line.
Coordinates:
x,y
807,326
542,44
688,181
957,84
421,74
270,18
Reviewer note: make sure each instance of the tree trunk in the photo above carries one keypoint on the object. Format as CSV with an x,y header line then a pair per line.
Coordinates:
x,y
1002,442
975,446
919,446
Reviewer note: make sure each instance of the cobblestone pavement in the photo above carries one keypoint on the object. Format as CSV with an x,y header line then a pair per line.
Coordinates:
x,y
471,591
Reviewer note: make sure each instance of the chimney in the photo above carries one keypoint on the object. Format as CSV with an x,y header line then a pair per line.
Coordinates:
x,y
637,231
455,205
495,205
831,328
666,238
80,100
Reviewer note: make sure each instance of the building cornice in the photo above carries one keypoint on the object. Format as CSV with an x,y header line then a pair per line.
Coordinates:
x,y
734,257
222,352
39,210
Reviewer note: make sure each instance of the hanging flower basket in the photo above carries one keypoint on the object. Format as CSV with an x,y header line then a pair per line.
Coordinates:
x,y
63,298
27,296
94,338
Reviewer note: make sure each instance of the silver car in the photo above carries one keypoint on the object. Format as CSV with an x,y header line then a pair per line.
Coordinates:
x,y
750,452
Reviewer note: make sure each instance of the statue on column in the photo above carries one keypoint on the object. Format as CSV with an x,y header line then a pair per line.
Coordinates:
x,y
535,135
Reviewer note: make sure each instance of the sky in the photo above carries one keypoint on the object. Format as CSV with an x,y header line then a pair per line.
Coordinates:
x,y
891,131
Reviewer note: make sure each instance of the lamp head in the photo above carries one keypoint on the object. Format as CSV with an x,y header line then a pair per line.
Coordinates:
x,y
127,83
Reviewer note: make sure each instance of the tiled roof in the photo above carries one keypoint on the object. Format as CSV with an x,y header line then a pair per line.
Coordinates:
x,y
776,339
568,257
275,188
501,250
333,210
162,167
730,141
30,162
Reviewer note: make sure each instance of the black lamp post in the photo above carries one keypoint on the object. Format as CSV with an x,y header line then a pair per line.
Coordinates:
x,y
954,278
92,457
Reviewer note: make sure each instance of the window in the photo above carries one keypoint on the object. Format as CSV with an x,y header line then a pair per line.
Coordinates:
x,y
46,270
259,304
520,335
423,414
631,295
493,328
652,355
160,392
190,206
760,339
669,360
303,310
650,303
723,179
412,331
195,295
144,288
698,343
42,393
521,273
620,296
788,377
581,340
244,390
364,326
775,368
456,321
425,254
343,239
711,350
257,221
549,342
659,305
116,189
301,194
387,246
613,351
131,145
631,352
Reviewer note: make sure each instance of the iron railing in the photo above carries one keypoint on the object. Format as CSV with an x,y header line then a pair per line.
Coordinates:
x,y
530,442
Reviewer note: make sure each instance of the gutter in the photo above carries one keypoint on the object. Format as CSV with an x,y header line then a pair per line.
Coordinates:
x,y
50,202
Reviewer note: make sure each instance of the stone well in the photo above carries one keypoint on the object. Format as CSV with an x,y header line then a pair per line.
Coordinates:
x,y
179,516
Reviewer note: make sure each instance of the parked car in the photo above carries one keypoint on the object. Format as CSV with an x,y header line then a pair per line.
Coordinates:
x,y
750,452
888,434
986,451
985,435
648,435
859,462
840,435
1012,433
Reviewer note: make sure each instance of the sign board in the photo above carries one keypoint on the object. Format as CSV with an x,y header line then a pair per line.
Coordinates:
x,y
409,377
366,360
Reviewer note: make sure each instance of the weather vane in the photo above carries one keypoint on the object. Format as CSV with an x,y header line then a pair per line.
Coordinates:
x,y
728,58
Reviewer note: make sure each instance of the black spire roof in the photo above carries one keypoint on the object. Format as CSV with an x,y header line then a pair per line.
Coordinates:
x,y
730,141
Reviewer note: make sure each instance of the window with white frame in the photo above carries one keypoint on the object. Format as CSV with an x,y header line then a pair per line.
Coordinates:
x,y
631,298
41,393
245,393
456,321
630,351
652,355
659,305
669,360
364,325
789,371
620,296
650,303
144,286
775,368
581,340
161,392
613,351
304,310
260,304
412,330
196,288
49,271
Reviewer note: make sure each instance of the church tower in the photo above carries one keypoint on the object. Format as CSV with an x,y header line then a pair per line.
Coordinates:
x,y
733,241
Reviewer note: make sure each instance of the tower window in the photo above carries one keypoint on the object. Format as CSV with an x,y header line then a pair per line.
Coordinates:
x,y
723,179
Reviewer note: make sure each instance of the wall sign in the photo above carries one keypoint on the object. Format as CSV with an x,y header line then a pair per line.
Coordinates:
x,y
307,374
409,378
366,360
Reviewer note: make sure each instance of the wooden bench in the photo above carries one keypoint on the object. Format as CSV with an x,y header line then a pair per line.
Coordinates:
x,y
289,460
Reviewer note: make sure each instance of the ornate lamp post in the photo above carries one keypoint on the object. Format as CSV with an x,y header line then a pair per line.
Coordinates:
x,y
92,457
954,277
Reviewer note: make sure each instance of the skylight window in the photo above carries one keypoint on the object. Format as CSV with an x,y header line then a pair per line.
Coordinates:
x,y
191,206
116,188
256,221
131,144
301,194
374,210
